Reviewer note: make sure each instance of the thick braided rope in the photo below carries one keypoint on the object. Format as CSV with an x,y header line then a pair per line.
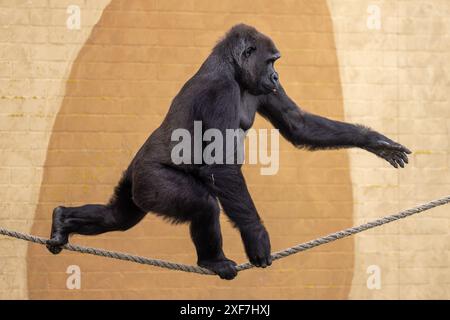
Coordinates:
x,y
275,256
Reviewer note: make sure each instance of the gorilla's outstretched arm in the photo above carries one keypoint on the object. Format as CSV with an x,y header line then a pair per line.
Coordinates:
x,y
314,132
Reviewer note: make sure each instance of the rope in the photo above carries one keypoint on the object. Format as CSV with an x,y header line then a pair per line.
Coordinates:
x,y
275,256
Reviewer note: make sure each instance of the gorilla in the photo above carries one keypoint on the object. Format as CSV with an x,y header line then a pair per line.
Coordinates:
x,y
236,81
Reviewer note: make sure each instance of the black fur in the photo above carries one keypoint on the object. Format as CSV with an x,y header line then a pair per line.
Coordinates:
x,y
235,82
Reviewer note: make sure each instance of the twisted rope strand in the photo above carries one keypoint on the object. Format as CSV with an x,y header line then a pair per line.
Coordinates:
x,y
275,256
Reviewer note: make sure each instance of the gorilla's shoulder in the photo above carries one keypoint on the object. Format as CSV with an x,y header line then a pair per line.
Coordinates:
x,y
212,85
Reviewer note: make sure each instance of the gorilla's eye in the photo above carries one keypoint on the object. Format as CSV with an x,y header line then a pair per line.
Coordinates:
x,y
249,51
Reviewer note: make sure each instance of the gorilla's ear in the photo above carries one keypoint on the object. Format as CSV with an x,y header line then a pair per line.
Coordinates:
x,y
242,49
248,51
239,46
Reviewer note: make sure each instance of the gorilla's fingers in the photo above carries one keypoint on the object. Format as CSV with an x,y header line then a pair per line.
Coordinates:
x,y
406,150
392,162
393,146
399,147
404,157
262,263
399,161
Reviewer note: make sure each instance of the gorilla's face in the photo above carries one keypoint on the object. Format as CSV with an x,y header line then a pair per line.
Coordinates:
x,y
258,74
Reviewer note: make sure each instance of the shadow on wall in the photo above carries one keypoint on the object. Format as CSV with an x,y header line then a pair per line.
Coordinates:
x,y
119,90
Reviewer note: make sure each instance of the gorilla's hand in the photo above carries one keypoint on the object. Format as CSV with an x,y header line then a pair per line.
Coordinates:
x,y
257,245
385,148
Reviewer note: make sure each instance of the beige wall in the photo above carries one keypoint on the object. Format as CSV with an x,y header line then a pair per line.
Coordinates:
x,y
36,54
70,120
396,79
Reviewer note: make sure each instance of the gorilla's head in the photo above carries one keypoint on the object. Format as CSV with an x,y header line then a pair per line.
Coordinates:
x,y
252,55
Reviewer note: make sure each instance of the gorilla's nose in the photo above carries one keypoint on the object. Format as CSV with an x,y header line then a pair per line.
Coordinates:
x,y
275,78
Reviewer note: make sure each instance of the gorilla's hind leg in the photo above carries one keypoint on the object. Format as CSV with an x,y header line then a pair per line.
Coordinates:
x,y
118,215
184,197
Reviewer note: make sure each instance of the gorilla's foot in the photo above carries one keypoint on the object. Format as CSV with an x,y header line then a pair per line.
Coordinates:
x,y
58,237
225,269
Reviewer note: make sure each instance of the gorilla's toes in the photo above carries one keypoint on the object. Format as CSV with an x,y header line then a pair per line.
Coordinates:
x,y
262,261
54,246
225,269
58,237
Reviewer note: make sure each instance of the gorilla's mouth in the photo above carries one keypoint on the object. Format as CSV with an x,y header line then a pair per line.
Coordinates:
x,y
269,87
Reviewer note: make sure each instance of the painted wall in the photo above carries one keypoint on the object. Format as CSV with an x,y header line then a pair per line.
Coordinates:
x,y
76,104
396,79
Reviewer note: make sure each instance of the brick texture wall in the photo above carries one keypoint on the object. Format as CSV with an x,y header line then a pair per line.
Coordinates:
x,y
396,79
36,54
76,104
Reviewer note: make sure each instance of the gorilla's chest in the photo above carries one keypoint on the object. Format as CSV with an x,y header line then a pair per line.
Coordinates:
x,y
247,111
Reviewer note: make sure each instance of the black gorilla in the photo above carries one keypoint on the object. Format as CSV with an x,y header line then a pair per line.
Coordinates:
x,y
237,80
